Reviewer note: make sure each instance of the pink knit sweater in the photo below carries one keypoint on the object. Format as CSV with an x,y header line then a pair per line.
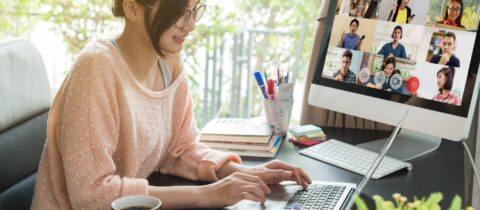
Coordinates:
x,y
107,133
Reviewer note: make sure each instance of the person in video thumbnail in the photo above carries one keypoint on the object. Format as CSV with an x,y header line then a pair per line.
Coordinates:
x,y
345,74
356,8
447,57
389,70
353,8
394,49
445,83
352,40
453,14
401,13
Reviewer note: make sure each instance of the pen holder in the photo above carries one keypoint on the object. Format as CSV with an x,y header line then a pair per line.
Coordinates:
x,y
278,114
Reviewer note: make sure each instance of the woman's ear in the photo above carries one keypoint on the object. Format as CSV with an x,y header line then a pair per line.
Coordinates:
x,y
133,11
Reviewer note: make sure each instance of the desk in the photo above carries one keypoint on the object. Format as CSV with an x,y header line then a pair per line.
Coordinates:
x,y
439,171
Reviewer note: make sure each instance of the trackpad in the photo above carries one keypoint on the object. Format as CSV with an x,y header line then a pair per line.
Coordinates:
x,y
275,200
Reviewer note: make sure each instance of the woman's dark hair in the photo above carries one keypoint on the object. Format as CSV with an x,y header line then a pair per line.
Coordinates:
x,y
165,16
355,21
449,73
390,60
399,2
458,21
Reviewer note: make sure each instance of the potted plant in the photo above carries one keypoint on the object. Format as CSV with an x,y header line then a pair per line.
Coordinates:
x,y
402,203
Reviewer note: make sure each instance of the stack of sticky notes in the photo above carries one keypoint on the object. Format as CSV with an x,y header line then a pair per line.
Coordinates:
x,y
306,135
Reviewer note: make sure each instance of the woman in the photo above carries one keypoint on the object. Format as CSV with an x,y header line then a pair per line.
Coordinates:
x,y
401,13
125,111
445,83
384,83
453,14
353,8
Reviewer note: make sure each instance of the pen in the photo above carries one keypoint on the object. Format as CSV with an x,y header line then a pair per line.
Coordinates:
x,y
271,89
261,84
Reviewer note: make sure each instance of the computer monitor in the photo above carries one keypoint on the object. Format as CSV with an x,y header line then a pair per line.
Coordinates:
x,y
378,69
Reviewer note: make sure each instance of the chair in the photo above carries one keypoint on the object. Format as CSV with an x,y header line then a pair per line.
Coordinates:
x,y
24,105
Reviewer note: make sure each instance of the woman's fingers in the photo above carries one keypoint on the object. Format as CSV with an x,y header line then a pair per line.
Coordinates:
x,y
254,179
256,193
248,196
305,176
275,176
300,176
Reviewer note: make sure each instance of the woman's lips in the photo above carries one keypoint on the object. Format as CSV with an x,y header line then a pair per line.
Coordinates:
x,y
179,39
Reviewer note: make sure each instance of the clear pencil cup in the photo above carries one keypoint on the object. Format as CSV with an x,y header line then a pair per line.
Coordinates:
x,y
278,114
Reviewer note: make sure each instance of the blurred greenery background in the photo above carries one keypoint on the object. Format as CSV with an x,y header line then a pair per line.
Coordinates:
x,y
77,22
74,23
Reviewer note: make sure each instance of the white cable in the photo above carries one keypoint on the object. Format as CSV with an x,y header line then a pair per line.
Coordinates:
x,y
377,162
475,171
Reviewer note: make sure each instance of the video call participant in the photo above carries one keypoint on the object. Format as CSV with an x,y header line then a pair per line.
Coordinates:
x,y
389,70
394,49
453,14
401,13
447,57
353,8
345,74
445,83
351,41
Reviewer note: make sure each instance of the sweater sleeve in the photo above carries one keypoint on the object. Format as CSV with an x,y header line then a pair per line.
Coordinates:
x,y
87,134
186,156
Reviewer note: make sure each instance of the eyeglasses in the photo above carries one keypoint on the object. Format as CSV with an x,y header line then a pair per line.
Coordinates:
x,y
456,9
196,13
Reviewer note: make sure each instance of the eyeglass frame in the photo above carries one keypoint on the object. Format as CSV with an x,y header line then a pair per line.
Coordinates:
x,y
186,15
456,9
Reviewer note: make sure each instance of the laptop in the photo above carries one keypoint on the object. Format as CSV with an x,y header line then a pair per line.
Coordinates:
x,y
320,194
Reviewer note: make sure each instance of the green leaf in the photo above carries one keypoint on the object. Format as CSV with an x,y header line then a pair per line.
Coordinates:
x,y
456,203
361,205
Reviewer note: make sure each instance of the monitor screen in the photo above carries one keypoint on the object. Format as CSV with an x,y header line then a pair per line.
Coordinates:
x,y
420,53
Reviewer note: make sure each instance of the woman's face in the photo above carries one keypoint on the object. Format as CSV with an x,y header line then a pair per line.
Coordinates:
x,y
441,79
353,27
172,40
405,2
454,8
389,69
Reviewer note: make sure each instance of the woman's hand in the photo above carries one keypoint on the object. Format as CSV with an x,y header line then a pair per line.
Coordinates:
x,y
277,171
234,188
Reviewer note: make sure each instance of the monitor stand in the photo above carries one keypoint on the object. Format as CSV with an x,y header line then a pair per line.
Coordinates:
x,y
407,145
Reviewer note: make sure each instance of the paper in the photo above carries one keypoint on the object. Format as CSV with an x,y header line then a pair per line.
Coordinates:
x,y
237,126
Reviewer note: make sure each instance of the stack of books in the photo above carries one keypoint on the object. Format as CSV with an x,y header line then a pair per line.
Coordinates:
x,y
245,137
306,135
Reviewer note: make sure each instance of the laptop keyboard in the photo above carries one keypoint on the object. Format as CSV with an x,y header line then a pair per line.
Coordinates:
x,y
317,196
